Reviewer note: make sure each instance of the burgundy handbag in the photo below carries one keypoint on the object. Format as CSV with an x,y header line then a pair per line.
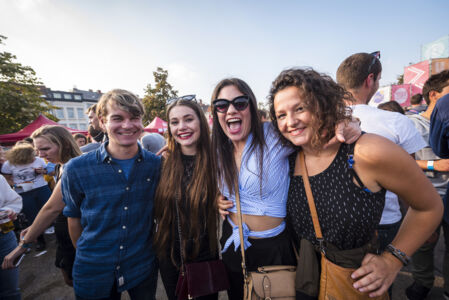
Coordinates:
x,y
200,278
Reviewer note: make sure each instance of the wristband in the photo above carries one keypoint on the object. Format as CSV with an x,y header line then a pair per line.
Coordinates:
x,y
430,164
25,245
404,258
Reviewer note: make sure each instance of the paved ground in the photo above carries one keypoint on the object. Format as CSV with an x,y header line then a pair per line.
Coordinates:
x,y
40,280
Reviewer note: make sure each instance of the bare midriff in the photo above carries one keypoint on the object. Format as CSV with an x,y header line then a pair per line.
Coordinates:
x,y
257,223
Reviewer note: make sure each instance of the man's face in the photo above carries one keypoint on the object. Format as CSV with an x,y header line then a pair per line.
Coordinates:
x,y
93,120
123,128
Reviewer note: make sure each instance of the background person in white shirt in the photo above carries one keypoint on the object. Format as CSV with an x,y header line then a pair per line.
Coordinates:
x,y
26,172
360,74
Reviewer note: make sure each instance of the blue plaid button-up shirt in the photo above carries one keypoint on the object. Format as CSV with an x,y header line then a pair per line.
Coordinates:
x,y
117,218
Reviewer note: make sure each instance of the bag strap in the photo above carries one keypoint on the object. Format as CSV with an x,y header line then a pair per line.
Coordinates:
x,y
310,200
240,222
181,249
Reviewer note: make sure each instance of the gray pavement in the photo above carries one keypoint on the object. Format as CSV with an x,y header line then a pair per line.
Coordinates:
x,y
41,280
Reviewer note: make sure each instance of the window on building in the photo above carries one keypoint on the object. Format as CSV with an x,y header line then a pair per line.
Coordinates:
x,y
83,126
59,113
80,113
73,126
57,95
67,96
77,97
70,113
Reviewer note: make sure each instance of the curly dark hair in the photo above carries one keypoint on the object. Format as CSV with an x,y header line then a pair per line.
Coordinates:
x,y
322,97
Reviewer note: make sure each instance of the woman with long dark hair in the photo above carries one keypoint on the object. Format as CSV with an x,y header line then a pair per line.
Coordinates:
x,y
185,198
248,151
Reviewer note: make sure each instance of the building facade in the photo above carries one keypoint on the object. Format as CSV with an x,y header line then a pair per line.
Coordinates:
x,y
72,105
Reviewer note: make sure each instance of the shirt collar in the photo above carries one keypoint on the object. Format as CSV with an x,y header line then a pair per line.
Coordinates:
x,y
104,156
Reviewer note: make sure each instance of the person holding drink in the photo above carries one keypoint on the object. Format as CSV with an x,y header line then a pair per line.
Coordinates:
x,y
10,205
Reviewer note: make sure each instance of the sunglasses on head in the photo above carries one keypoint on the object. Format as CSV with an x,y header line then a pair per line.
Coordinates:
x,y
376,55
240,103
185,98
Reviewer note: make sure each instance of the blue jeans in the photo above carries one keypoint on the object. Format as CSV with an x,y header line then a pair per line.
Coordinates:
x,y
34,200
146,290
9,279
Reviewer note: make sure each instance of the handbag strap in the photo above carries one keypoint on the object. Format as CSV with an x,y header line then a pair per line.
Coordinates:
x,y
181,249
310,200
240,222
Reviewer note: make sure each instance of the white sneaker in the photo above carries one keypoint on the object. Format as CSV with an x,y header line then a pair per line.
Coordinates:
x,y
50,230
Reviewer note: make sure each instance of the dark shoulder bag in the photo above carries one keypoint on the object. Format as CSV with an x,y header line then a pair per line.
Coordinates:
x,y
200,278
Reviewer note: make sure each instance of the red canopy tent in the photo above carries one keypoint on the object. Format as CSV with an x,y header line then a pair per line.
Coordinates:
x,y
11,138
157,125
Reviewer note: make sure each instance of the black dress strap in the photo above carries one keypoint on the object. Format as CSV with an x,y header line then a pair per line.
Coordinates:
x,y
351,168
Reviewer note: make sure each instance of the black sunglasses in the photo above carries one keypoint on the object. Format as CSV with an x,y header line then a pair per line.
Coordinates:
x,y
186,98
240,103
376,55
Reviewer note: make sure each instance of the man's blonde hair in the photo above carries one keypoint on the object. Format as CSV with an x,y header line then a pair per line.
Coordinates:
x,y
124,100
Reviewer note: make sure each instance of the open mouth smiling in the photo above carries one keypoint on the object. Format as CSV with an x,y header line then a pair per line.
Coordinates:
x,y
234,125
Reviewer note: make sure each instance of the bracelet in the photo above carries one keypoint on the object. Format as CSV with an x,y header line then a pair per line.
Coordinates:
x,y
404,258
430,164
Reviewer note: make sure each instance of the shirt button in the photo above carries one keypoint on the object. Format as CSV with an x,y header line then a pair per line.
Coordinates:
x,y
148,179
123,227
125,208
127,188
139,160
120,171
121,247
118,267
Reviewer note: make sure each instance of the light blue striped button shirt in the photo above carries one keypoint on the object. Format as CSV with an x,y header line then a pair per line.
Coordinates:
x,y
272,198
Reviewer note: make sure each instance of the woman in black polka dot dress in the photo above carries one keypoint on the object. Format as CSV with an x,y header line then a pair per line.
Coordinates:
x,y
348,181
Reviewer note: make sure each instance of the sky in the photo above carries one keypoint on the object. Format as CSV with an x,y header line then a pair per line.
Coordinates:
x,y
106,44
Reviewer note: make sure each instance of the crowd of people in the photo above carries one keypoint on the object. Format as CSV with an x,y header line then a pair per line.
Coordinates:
x,y
123,213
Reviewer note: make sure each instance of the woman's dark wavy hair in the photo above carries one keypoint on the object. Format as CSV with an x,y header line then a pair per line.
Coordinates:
x,y
222,147
322,97
200,194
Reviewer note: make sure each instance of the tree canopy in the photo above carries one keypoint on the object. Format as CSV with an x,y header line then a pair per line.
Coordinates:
x,y
155,99
20,96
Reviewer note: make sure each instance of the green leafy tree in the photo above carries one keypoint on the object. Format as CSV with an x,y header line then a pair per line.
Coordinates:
x,y
400,79
155,99
20,96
